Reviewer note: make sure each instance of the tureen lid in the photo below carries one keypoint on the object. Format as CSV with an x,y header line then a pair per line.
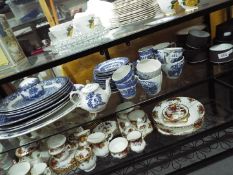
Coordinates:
x,y
90,87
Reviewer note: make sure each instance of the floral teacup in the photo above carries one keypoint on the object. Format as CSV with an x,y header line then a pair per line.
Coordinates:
x,y
119,147
137,143
99,144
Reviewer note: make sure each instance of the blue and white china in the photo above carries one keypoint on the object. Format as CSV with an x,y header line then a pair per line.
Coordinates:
x,y
170,55
30,88
173,55
49,117
16,102
161,46
146,53
124,79
110,65
173,70
147,69
128,93
92,97
6,122
152,86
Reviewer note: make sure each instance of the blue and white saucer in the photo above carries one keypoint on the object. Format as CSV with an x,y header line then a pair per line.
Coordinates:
x,y
109,66
16,102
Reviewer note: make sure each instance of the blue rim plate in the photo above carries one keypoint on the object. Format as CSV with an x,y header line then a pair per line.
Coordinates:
x,y
16,102
39,104
6,121
50,118
111,65
39,107
46,113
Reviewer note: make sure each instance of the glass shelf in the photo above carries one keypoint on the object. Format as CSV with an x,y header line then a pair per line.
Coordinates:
x,y
80,117
114,37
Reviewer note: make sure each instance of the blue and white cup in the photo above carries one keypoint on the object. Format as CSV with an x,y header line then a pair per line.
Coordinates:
x,y
162,46
30,88
173,70
153,85
125,81
146,53
170,55
147,69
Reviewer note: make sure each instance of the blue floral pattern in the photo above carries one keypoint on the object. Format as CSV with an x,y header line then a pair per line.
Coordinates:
x,y
150,88
175,70
94,100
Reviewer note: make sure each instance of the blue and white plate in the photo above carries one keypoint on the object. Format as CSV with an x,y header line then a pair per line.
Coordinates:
x,y
17,102
42,103
111,65
33,110
40,115
6,121
49,118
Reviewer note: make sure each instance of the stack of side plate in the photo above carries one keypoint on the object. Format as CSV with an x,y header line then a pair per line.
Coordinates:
x,y
105,70
17,113
128,12
186,118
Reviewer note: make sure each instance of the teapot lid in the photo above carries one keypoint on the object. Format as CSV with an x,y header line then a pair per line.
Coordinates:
x,y
90,87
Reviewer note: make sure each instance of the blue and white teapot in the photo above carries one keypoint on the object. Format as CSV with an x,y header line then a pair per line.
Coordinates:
x,y
91,97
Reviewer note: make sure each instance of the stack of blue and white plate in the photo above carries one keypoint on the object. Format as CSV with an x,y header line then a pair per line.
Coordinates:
x,y
20,114
105,70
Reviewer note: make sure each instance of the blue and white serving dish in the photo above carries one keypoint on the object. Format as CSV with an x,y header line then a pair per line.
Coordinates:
x,y
110,66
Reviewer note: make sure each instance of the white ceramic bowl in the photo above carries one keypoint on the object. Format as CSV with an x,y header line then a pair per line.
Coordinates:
x,y
168,6
22,168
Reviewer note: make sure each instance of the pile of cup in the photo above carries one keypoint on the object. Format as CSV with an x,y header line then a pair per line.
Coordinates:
x,y
125,81
171,58
150,76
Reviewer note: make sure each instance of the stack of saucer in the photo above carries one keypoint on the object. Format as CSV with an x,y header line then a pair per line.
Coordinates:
x,y
105,70
178,116
128,12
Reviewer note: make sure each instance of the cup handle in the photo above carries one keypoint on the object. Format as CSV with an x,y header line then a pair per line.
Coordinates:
x,y
68,147
110,137
75,102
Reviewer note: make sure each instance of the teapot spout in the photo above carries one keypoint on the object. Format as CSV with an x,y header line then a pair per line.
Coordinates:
x,y
107,87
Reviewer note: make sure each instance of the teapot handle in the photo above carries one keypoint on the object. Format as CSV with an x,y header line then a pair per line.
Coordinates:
x,y
76,102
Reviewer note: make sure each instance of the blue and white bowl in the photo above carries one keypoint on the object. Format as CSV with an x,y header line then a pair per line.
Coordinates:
x,y
174,70
30,88
173,55
152,86
146,53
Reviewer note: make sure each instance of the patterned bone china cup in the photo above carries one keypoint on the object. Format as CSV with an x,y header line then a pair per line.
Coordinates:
x,y
125,81
173,70
99,144
189,5
30,88
119,147
168,6
82,137
153,85
56,144
86,158
146,53
136,142
147,69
